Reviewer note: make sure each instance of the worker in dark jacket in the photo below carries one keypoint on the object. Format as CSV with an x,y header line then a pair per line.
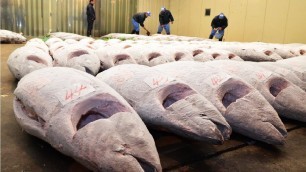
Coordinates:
x,y
91,16
138,19
218,24
165,17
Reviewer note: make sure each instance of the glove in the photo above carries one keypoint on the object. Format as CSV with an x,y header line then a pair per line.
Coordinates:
x,y
148,33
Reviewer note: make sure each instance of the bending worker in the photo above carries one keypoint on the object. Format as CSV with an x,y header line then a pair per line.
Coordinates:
x,y
218,24
165,17
138,19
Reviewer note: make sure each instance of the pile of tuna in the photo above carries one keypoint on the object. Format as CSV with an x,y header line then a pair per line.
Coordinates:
x,y
7,36
100,116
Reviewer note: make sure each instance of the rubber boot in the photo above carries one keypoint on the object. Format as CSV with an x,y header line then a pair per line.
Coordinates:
x,y
137,32
221,38
211,36
133,31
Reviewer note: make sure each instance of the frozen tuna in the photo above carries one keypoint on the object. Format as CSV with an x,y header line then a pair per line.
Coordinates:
x,y
285,97
84,118
112,56
295,64
244,108
78,57
7,36
27,59
284,72
149,56
167,104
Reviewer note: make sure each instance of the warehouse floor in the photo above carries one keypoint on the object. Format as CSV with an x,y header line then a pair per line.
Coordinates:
x,y
23,152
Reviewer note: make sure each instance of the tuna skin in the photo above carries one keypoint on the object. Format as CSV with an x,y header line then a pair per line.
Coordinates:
x,y
84,118
244,108
285,97
167,104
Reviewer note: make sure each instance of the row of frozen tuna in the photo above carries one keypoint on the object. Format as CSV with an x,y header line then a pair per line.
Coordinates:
x,y
99,121
93,56
97,55
250,51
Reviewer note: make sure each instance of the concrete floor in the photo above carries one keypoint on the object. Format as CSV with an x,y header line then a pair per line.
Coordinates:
x,y
23,152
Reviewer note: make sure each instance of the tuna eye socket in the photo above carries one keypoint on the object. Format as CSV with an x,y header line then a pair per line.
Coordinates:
x,y
277,86
103,109
230,56
196,52
77,53
36,59
234,94
176,93
178,56
90,117
268,53
302,52
121,57
153,56
215,55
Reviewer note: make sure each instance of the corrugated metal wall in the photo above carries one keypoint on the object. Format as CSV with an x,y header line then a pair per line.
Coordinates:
x,y
39,17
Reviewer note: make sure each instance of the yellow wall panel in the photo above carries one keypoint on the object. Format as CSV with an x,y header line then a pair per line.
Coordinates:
x,y
275,21
254,21
195,15
205,27
236,21
296,22
174,7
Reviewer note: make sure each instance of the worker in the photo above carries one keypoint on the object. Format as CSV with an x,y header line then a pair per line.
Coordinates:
x,y
165,17
218,24
138,19
91,16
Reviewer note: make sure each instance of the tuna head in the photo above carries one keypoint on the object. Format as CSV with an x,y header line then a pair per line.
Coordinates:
x,y
27,59
149,56
167,104
78,57
285,97
84,118
244,108
283,72
185,112
179,53
112,56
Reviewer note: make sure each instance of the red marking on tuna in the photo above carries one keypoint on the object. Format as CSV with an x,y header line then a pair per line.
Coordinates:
x,y
260,76
159,80
215,80
77,92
